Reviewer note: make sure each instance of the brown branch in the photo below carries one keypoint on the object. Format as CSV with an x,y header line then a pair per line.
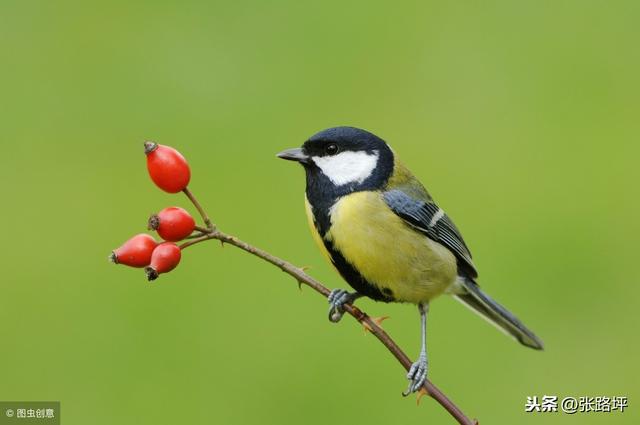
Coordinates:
x,y
196,204
303,278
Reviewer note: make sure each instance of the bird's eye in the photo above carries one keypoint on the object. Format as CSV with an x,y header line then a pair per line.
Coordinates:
x,y
331,149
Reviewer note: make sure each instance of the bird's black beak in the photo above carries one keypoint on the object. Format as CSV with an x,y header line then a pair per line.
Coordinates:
x,y
295,154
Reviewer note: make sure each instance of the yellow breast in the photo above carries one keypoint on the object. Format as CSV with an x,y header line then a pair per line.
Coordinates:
x,y
388,252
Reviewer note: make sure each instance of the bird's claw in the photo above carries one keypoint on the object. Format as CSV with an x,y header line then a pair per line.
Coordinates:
x,y
417,375
337,299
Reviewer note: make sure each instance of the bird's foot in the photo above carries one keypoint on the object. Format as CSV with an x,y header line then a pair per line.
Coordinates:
x,y
337,299
417,375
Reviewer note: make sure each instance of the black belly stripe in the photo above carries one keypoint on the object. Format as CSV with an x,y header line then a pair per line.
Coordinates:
x,y
355,279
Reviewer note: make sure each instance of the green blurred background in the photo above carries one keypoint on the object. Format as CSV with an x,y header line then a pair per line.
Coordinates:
x,y
521,118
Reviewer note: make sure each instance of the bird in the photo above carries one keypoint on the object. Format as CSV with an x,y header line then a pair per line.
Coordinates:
x,y
385,235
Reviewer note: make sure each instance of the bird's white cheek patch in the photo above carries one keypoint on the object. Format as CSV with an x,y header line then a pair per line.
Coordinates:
x,y
347,167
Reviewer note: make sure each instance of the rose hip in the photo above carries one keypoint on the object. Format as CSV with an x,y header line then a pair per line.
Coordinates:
x,y
167,167
136,252
165,258
172,224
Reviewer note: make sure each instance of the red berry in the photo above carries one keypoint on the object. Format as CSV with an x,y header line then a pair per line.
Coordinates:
x,y
136,252
172,224
165,258
167,167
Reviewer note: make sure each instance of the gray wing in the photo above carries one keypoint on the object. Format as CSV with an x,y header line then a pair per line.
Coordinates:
x,y
432,221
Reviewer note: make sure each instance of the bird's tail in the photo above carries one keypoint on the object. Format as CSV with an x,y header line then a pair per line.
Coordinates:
x,y
470,295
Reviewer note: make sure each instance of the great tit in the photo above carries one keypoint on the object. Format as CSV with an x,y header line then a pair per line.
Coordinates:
x,y
385,235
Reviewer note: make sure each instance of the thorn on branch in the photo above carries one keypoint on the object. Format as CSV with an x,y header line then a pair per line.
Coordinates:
x,y
420,394
377,320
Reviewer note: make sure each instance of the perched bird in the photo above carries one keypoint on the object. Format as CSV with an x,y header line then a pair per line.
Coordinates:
x,y
385,235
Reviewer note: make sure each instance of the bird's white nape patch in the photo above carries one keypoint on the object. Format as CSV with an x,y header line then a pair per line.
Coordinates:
x,y
347,167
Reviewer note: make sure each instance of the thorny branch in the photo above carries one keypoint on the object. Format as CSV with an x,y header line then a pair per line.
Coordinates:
x,y
211,232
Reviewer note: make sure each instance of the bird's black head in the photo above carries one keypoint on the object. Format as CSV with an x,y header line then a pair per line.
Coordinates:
x,y
343,160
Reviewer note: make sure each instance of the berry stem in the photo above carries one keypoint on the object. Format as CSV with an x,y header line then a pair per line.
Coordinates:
x,y
202,229
196,235
209,234
203,214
